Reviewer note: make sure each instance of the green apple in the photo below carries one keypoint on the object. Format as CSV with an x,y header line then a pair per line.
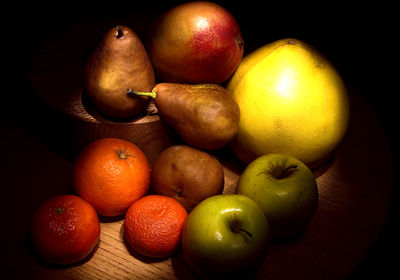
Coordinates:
x,y
225,234
284,188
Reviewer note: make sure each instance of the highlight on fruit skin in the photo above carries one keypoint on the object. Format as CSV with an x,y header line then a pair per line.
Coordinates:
x,y
205,116
292,101
118,62
111,173
195,42
225,235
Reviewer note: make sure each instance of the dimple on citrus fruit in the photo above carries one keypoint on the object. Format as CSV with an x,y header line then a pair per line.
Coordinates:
x,y
111,174
65,229
153,225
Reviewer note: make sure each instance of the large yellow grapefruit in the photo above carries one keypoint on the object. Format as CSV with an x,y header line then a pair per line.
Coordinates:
x,y
292,101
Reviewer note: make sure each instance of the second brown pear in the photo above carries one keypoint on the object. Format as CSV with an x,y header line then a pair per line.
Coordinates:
x,y
118,64
205,116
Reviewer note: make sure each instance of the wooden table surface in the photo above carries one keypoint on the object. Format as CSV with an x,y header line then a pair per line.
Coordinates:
x,y
353,204
355,188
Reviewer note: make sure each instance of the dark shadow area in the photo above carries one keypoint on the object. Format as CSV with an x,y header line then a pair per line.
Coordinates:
x,y
113,219
357,38
30,248
135,254
182,269
91,110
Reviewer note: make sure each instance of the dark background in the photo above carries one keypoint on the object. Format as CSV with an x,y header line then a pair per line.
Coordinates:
x,y
360,40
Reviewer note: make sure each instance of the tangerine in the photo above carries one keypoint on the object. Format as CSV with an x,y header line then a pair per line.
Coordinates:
x,y
153,225
65,229
111,174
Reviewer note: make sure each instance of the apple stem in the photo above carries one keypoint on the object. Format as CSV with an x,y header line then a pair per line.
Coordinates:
x,y
287,170
291,167
132,93
245,231
235,227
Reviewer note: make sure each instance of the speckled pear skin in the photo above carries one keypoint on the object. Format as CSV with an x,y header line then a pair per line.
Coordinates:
x,y
118,63
205,115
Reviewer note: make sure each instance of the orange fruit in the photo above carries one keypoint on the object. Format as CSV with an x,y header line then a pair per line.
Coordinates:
x,y
153,225
65,229
111,174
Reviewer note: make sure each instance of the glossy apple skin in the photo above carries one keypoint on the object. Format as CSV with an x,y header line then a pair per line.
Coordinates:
x,y
288,202
196,42
211,243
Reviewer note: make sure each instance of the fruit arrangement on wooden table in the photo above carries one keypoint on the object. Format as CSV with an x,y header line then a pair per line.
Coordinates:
x,y
282,109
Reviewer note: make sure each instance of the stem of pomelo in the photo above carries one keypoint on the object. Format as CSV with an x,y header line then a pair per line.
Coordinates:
x,y
130,92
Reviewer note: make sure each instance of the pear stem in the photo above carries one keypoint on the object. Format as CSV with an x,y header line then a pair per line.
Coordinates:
x,y
120,33
132,93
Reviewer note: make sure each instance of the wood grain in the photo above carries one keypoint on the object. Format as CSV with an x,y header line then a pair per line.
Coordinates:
x,y
354,191
353,202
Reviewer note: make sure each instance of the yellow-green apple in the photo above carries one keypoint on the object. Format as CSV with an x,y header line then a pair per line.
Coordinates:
x,y
284,188
224,235
195,42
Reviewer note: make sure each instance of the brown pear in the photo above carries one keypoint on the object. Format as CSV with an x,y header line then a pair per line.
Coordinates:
x,y
187,174
205,116
120,62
